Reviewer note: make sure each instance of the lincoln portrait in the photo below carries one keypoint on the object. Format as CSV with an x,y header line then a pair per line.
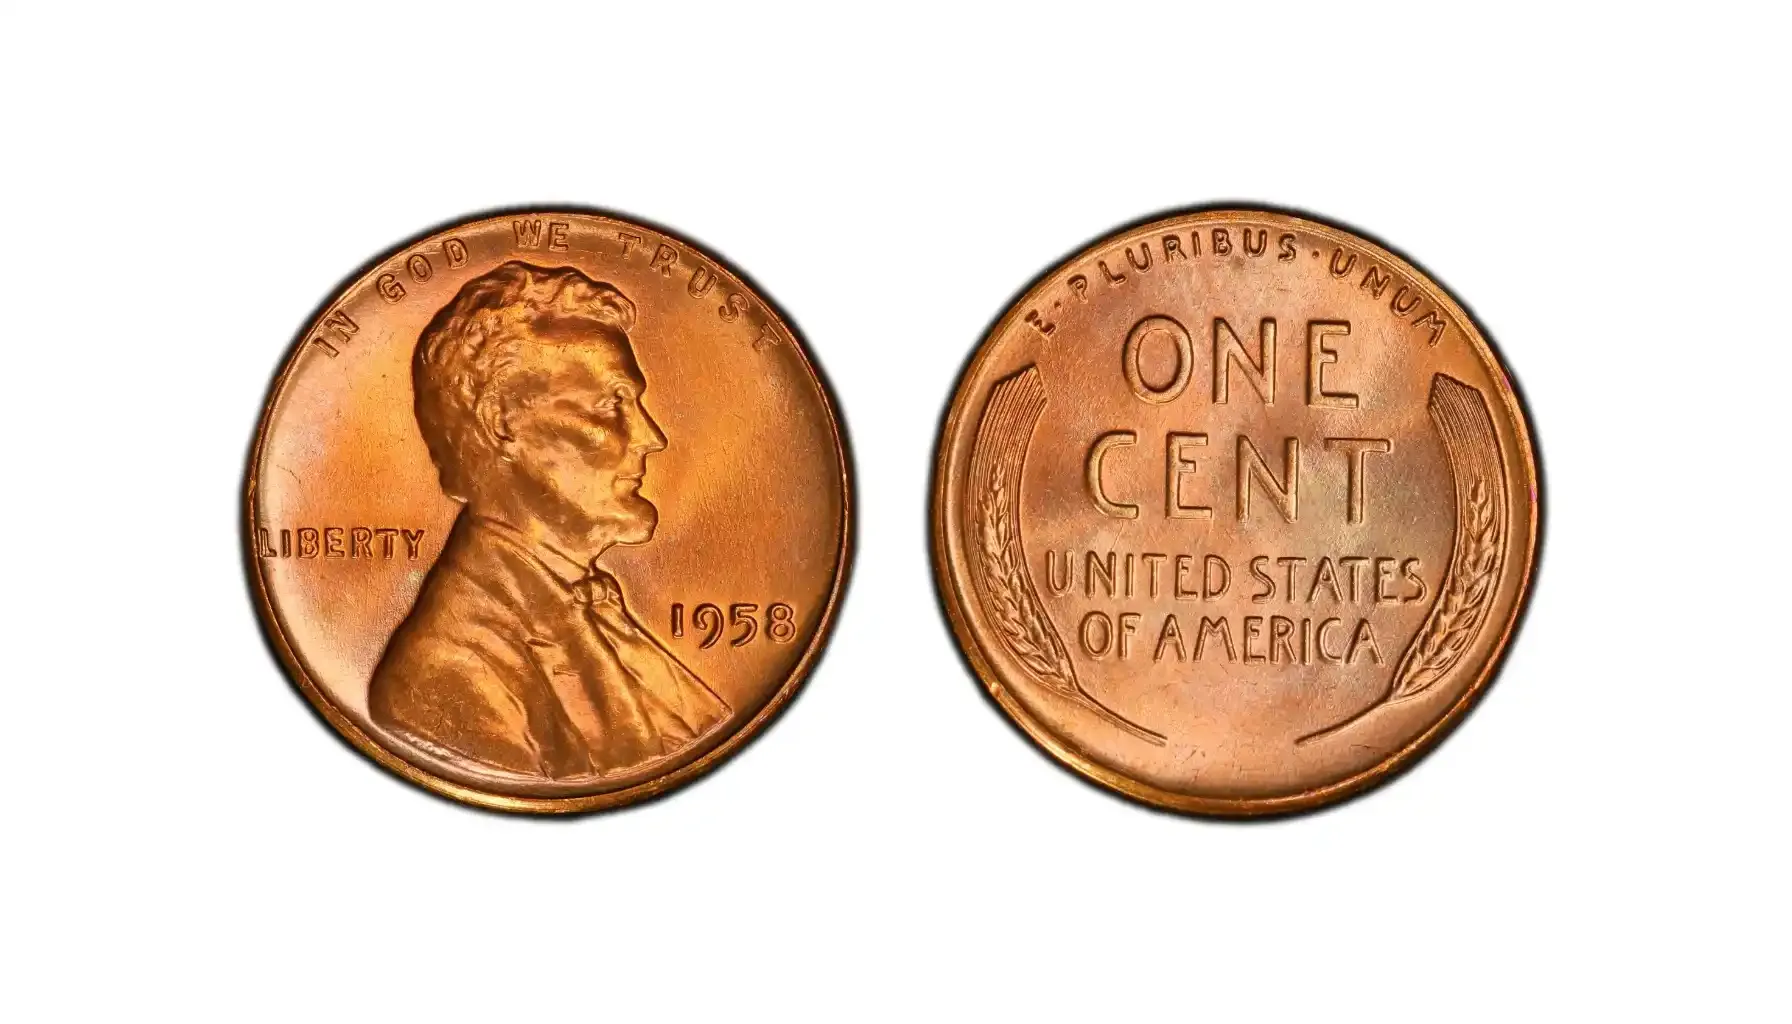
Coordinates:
x,y
520,654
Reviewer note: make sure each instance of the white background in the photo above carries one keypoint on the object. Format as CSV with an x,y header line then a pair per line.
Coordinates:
x,y
1601,840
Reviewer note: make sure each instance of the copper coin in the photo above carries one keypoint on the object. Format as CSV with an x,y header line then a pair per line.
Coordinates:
x,y
548,511
1234,512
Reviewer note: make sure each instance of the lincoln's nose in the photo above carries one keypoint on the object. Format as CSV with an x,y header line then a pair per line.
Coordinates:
x,y
648,437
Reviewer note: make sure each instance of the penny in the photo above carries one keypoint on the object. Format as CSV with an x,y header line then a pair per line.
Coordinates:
x,y
548,511
1235,512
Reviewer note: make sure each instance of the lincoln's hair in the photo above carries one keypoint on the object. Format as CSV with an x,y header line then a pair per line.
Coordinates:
x,y
478,339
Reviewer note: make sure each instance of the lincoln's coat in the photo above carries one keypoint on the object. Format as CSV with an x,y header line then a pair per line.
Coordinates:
x,y
515,658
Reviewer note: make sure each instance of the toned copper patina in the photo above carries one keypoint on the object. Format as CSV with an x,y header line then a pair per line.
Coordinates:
x,y
1235,512
548,511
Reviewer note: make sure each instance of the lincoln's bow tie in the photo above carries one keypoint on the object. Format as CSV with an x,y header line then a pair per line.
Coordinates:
x,y
597,589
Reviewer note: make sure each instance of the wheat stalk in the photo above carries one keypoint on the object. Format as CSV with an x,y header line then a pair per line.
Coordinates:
x,y
1000,571
1463,421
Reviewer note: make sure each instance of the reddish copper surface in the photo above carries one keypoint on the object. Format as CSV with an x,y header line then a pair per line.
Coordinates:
x,y
628,540
1247,591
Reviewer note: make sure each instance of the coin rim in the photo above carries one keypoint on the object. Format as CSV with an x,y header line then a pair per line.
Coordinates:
x,y
1115,781
272,622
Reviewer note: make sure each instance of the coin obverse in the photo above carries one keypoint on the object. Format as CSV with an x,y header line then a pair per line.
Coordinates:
x,y
1235,512
548,512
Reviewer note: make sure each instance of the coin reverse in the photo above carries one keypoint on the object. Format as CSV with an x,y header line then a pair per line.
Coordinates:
x,y
1234,512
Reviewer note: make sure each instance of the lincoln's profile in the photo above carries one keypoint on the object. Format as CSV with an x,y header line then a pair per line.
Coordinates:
x,y
519,654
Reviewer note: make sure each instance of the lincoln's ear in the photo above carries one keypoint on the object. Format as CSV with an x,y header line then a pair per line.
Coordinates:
x,y
492,413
